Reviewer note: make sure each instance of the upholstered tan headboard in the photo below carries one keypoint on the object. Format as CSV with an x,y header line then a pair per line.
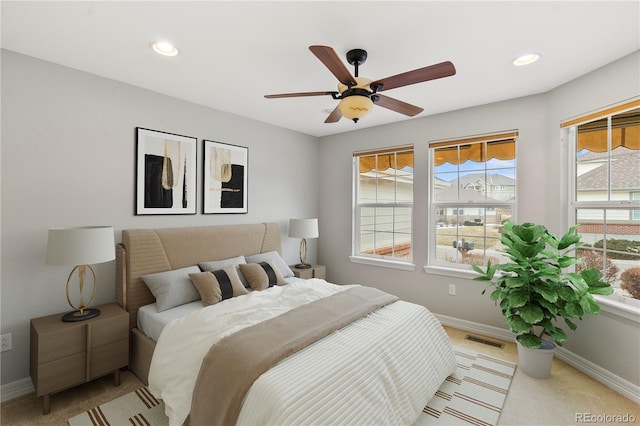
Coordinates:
x,y
145,251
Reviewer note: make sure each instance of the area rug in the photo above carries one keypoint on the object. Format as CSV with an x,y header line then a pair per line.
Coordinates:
x,y
473,395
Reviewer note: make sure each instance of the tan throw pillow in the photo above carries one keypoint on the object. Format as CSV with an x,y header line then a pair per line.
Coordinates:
x,y
215,286
262,275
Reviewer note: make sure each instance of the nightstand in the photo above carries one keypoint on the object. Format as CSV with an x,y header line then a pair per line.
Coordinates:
x,y
316,271
66,354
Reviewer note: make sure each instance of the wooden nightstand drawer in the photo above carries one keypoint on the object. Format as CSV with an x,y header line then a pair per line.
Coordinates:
x,y
62,343
62,373
109,330
108,358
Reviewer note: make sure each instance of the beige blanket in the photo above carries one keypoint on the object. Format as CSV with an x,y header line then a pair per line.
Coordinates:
x,y
235,362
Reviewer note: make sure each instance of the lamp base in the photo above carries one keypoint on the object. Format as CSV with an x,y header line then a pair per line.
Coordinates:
x,y
303,266
75,315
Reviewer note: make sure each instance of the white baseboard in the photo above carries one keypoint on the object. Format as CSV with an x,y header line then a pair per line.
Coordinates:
x,y
592,370
15,389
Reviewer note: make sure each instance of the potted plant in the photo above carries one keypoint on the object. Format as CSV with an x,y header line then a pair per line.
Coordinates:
x,y
535,289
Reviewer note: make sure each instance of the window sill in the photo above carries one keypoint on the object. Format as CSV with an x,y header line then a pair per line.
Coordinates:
x,y
405,266
620,307
450,272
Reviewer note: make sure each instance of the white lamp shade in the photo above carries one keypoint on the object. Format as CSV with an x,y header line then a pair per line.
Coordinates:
x,y
303,228
80,246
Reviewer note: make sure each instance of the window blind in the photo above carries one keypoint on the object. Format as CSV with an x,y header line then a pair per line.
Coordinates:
x,y
383,159
592,134
501,146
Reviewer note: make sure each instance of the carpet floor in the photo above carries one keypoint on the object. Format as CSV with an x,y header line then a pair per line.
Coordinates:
x,y
473,395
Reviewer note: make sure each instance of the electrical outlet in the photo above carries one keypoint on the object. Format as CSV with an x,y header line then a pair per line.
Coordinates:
x,y
5,342
452,289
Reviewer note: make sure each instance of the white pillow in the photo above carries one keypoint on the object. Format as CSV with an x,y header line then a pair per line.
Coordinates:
x,y
216,265
172,288
277,260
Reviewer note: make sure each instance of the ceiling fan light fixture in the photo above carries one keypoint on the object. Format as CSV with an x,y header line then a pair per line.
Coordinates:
x,y
526,59
355,107
164,48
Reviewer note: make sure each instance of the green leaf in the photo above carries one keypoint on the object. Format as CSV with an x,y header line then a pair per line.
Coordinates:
x,y
531,313
495,295
549,293
566,261
567,294
569,239
518,298
484,275
570,323
504,304
605,291
530,340
516,282
551,307
515,254
517,324
551,254
588,304
573,310
557,334
578,282
591,276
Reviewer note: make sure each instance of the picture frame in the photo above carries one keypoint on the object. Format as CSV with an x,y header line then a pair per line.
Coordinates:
x,y
224,178
166,170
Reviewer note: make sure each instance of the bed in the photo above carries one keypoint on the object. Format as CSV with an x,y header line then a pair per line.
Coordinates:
x,y
379,361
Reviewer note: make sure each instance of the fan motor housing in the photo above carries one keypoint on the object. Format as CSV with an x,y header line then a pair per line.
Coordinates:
x,y
357,57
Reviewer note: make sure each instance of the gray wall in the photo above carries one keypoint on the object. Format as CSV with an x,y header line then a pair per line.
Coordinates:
x,y
541,198
68,159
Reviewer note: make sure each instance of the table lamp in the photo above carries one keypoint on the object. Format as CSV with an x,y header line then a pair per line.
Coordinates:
x,y
303,228
81,246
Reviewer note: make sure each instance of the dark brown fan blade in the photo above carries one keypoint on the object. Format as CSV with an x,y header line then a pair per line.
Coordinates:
x,y
334,117
432,72
330,60
295,95
398,106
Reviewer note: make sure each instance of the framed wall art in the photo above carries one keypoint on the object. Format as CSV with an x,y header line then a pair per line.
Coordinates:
x,y
165,173
224,178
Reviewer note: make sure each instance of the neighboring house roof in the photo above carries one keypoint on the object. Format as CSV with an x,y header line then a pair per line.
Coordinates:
x,y
450,193
492,179
625,173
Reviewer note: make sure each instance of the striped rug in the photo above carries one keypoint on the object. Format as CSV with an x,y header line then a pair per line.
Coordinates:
x,y
473,395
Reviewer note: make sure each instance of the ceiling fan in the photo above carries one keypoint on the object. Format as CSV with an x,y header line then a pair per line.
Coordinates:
x,y
357,95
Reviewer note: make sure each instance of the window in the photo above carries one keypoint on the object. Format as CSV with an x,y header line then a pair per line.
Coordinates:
x,y
383,194
605,184
473,191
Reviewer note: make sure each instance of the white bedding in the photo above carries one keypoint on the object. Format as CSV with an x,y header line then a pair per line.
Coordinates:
x,y
381,369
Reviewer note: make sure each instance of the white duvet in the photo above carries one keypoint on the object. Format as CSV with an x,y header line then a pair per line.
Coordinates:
x,y
381,369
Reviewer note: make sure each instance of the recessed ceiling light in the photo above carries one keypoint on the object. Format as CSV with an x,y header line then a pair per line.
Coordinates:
x,y
526,59
164,48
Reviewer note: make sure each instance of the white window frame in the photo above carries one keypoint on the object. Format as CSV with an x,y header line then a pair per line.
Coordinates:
x,y
434,266
622,306
376,259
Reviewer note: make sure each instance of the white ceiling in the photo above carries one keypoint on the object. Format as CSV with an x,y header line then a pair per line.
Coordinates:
x,y
234,52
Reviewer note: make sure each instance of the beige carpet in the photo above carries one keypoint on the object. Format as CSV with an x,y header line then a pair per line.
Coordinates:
x,y
473,395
